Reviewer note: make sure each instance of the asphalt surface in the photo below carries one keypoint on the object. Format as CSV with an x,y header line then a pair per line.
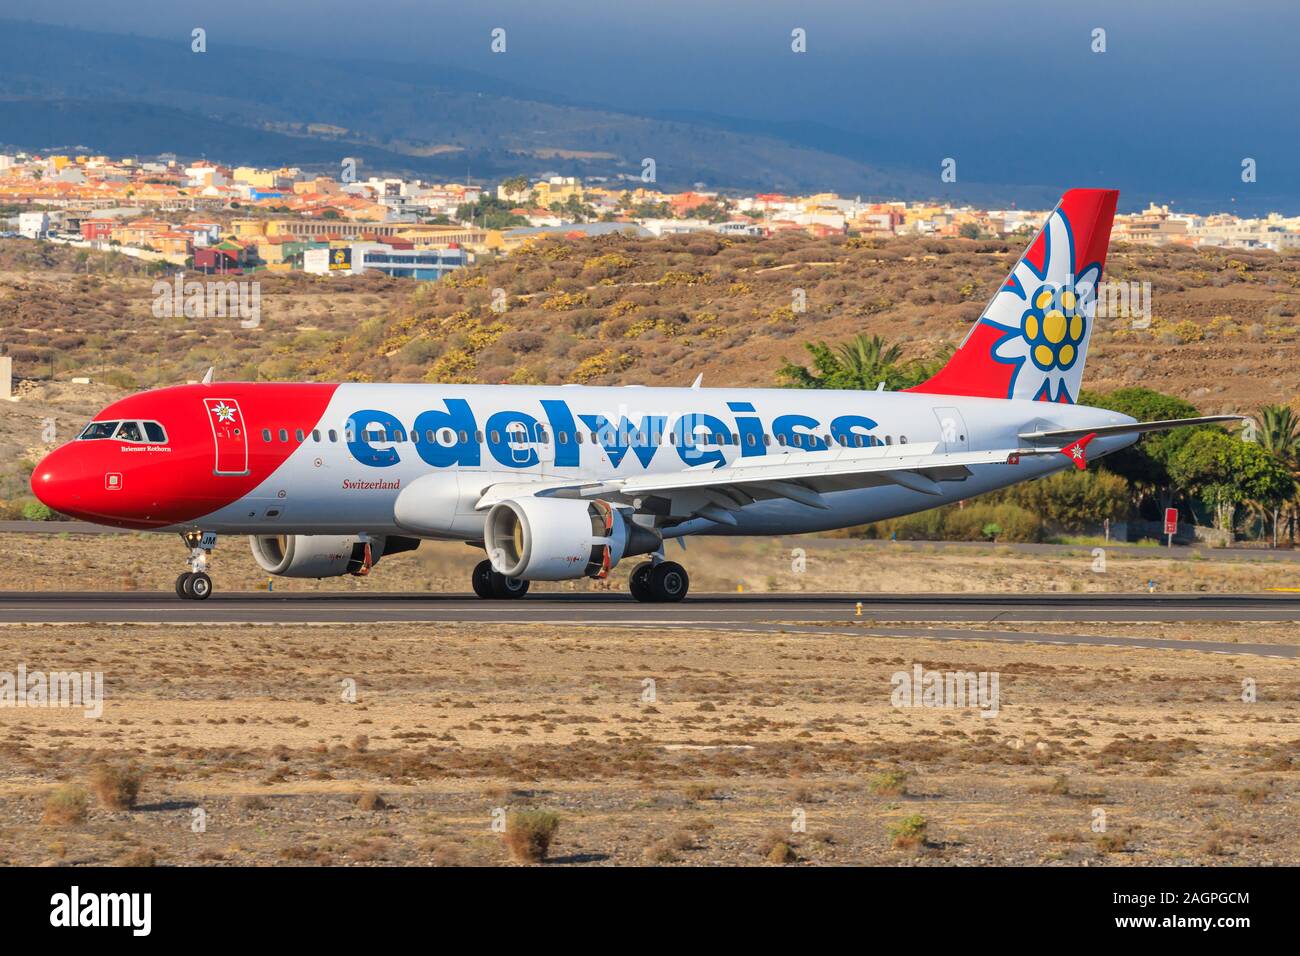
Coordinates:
x,y
880,614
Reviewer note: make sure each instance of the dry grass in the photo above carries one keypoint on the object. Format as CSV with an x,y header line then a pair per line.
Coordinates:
x,y
529,834
116,786
65,806
465,719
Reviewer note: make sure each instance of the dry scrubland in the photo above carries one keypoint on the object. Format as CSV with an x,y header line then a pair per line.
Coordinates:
x,y
619,310
1225,332
150,562
453,723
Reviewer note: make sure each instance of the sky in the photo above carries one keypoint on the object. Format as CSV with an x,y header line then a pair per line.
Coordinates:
x,y
1010,89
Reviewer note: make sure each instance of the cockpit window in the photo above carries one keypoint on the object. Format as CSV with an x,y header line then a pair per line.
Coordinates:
x,y
129,431
99,430
139,432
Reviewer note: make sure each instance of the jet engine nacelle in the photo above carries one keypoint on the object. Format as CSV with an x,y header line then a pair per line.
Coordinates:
x,y
558,539
323,555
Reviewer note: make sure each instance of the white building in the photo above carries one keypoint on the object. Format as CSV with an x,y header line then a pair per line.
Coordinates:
x,y
361,257
33,225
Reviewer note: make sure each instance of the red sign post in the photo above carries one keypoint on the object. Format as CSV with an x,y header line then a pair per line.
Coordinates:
x,y
1171,525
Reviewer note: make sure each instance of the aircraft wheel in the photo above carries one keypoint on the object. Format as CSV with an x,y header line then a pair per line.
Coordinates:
x,y
639,581
198,587
504,587
182,585
482,579
669,582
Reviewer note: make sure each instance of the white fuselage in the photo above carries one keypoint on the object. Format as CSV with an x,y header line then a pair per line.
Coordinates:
x,y
485,435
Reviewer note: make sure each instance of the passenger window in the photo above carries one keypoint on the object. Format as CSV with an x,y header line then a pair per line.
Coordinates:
x,y
315,435
333,435
129,431
154,432
577,437
780,440
415,437
298,435
284,435
266,434
888,440
496,438
767,440
562,438
797,440
902,439
857,441
478,437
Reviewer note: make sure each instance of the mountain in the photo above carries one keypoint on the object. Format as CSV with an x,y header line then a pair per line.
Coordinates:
x,y
131,95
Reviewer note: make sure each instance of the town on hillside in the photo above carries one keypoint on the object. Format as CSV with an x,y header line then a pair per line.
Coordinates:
x,y
219,219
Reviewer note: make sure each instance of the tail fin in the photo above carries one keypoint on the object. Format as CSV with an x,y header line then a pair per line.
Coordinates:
x,y
1032,340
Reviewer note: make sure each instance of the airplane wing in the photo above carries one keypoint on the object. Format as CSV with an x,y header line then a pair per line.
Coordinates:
x,y
715,493
1136,427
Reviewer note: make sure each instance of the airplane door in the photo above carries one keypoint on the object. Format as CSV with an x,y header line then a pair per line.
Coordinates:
x,y
953,436
229,436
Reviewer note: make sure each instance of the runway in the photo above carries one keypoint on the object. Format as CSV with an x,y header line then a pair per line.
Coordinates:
x,y
879,614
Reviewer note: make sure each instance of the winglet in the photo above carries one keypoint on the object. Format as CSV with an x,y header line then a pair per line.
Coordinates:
x,y
1077,451
207,376
698,379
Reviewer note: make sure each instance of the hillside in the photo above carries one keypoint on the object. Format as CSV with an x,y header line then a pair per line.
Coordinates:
x,y
1224,334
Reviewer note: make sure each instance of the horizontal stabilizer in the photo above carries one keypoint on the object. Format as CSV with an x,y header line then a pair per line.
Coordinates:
x,y
1130,429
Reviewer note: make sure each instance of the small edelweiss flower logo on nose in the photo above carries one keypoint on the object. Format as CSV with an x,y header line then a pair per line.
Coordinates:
x,y
1053,325
223,412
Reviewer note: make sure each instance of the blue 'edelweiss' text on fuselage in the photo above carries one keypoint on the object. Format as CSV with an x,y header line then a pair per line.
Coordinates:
x,y
511,436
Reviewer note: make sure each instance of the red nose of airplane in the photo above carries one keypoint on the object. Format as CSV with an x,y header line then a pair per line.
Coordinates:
x,y
57,483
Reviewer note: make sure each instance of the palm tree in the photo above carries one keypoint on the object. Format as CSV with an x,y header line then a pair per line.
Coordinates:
x,y
1277,430
867,359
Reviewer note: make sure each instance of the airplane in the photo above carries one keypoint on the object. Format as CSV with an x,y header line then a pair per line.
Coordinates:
x,y
564,482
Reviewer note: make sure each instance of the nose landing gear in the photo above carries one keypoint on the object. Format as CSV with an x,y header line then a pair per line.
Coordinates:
x,y
194,584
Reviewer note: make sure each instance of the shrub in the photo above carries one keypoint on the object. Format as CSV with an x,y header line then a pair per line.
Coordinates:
x,y
891,783
909,832
37,511
1012,523
529,834
1071,501
781,853
116,787
66,805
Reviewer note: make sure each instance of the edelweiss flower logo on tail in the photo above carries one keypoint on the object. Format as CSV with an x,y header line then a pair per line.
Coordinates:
x,y
1045,312
1032,340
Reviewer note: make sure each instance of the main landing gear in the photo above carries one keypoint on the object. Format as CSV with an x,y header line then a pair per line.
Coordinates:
x,y
493,584
665,582
194,584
